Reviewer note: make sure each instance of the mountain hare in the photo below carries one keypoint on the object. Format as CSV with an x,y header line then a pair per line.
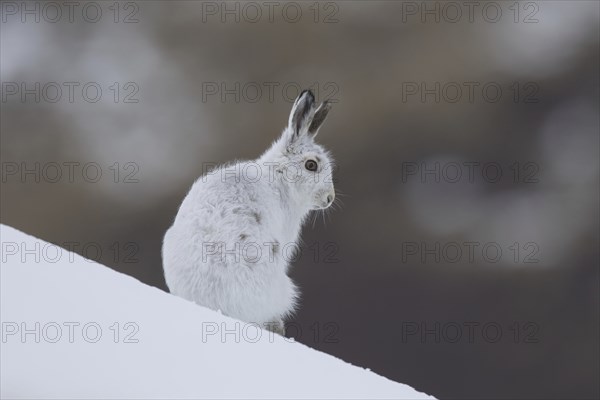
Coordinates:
x,y
229,247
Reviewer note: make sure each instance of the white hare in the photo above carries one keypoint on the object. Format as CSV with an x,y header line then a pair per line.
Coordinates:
x,y
229,247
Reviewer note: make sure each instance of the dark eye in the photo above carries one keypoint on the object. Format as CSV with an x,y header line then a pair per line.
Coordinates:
x,y
311,165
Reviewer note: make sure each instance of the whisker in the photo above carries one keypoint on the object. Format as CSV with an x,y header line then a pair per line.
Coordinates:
x,y
314,218
338,203
328,214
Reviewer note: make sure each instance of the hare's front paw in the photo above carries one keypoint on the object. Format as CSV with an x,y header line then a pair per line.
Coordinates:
x,y
276,327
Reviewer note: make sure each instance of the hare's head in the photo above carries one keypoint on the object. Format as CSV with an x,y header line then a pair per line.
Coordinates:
x,y
304,166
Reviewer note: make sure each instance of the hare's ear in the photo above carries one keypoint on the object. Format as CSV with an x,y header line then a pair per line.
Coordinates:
x,y
319,117
301,115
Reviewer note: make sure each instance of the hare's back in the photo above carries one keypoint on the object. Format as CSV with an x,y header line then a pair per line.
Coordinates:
x,y
224,203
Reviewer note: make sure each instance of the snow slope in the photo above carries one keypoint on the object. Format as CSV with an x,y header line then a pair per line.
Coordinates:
x,y
72,328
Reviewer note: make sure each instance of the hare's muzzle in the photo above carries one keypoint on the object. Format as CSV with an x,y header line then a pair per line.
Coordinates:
x,y
327,200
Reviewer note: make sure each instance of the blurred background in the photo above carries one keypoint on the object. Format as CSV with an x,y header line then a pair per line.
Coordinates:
x,y
464,258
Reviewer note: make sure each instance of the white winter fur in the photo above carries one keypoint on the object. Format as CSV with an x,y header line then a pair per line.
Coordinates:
x,y
225,248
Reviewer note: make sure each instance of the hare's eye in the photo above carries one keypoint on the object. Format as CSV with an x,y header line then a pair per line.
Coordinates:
x,y
310,165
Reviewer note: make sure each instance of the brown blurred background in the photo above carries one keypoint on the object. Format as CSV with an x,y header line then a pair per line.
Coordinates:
x,y
189,84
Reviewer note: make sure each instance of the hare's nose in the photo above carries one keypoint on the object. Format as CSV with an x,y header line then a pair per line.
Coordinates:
x,y
329,199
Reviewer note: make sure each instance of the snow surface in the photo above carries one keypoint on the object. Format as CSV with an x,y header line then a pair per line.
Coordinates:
x,y
162,347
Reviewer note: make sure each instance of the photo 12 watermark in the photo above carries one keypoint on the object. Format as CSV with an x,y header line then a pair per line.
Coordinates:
x,y
290,12
247,251
469,252
116,252
70,92
69,172
469,332
453,12
69,332
250,332
470,92
270,92
472,172
267,171
54,12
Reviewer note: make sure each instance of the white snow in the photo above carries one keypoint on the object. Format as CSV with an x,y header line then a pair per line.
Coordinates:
x,y
54,304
